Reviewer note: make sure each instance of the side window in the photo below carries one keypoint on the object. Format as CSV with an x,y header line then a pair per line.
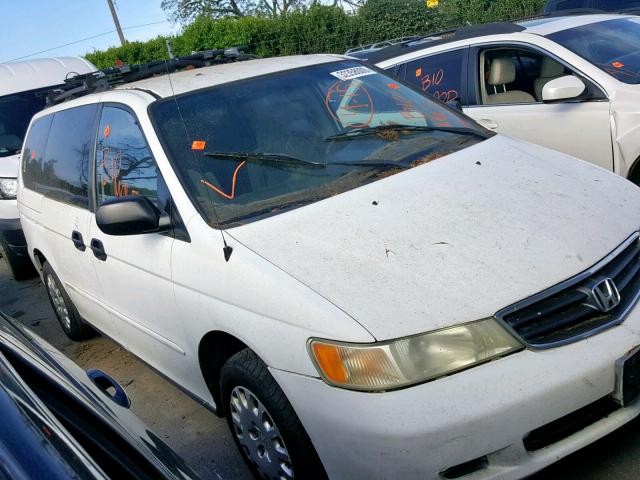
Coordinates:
x,y
438,75
65,171
510,76
124,164
33,154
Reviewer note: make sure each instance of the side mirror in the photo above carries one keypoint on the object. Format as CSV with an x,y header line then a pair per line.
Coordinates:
x,y
564,88
130,215
456,104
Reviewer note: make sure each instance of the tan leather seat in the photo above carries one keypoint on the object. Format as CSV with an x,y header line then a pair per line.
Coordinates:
x,y
549,70
502,72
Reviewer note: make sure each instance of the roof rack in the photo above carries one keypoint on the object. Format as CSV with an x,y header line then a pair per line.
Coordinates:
x,y
102,80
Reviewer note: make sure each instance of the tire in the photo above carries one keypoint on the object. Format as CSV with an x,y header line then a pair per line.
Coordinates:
x,y
20,266
251,396
67,314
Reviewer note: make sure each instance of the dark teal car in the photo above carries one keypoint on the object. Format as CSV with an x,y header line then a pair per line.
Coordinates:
x,y
616,6
60,422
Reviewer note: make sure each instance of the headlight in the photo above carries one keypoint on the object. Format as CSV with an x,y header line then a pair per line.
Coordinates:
x,y
8,188
411,360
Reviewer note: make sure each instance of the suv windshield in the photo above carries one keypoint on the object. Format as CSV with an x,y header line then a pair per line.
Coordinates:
x,y
16,111
263,145
612,46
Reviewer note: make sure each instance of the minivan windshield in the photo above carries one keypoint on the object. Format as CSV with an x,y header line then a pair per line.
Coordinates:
x,y
612,46
263,145
16,111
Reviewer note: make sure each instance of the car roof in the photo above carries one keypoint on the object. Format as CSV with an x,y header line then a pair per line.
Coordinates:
x,y
39,73
189,80
546,26
536,26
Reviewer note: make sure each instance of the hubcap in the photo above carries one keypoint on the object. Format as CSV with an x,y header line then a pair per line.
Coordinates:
x,y
58,302
259,436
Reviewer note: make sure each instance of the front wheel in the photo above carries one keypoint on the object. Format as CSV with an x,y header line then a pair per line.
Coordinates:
x,y
263,424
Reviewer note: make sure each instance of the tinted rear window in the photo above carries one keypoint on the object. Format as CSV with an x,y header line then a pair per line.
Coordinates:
x,y
64,173
33,154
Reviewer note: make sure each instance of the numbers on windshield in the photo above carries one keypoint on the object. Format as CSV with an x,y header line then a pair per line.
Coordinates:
x,y
350,104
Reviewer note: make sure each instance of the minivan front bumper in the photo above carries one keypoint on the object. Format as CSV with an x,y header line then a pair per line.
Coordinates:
x,y
481,415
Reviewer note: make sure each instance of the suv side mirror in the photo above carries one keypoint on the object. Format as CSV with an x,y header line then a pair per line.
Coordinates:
x,y
564,88
456,104
130,215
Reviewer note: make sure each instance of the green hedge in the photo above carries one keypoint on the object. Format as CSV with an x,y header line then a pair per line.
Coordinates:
x,y
319,28
454,13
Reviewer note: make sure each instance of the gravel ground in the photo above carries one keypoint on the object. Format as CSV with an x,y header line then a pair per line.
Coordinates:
x,y
203,440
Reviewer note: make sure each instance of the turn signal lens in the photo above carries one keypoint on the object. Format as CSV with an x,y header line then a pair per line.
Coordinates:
x,y
411,360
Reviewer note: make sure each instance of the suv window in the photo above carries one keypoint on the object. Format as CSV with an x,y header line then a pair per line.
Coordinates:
x,y
65,171
438,75
612,46
516,76
33,154
124,164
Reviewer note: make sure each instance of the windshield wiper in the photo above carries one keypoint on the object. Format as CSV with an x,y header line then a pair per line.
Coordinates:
x,y
360,132
291,160
261,157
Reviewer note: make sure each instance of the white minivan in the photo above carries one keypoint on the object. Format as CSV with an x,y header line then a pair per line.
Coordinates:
x,y
23,87
366,283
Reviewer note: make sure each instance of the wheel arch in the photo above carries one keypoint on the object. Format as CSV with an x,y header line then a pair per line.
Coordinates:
x,y
634,172
215,348
39,258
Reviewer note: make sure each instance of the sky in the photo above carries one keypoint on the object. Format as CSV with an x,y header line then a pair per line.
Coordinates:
x,y
28,27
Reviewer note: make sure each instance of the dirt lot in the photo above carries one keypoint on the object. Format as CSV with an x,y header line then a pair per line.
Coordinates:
x,y
203,440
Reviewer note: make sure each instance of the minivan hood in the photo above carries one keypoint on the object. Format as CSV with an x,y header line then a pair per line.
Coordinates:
x,y
9,166
454,240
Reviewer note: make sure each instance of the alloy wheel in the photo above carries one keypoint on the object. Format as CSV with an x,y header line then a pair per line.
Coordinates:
x,y
58,302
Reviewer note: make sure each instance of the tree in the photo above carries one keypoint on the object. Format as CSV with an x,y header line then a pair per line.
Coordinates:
x,y
274,8
184,11
456,13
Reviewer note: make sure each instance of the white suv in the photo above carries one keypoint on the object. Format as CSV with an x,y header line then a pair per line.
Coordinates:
x,y
568,83
365,282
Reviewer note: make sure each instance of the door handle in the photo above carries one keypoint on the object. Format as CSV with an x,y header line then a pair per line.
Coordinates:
x,y
78,241
98,249
485,122
104,382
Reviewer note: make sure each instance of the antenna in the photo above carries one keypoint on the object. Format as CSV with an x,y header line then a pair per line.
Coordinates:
x,y
227,250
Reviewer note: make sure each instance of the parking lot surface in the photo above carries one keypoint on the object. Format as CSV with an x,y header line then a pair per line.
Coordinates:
x,y
203,440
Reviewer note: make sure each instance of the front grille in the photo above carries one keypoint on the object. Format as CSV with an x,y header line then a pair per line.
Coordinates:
x,y
568,312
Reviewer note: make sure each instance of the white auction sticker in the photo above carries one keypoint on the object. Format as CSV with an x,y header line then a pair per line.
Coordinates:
x,y
351,73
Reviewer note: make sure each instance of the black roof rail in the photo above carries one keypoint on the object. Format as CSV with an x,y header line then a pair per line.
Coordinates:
x,y
574,11
493,28
102,80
